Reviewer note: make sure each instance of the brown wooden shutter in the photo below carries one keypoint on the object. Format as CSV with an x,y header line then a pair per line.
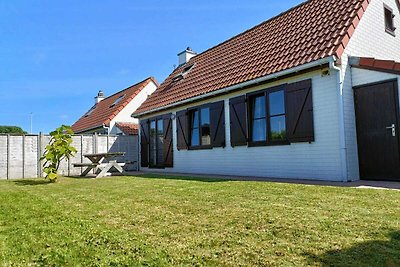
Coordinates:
x,y
217,124
168,149
144,143
299,112
238,117
182,129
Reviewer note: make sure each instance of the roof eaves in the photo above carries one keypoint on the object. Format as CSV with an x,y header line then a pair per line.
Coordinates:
x,y
299,68
386,66
88,129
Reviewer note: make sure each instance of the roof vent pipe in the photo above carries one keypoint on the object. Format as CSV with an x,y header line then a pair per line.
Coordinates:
x,y
99,97
185,56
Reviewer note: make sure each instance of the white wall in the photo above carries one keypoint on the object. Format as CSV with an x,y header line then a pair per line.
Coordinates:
x,y
125,114
369,40
362,77
318,160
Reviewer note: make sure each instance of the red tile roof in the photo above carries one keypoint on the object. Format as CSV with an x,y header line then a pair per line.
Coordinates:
x,y
128,128
376,64
308,32
103,112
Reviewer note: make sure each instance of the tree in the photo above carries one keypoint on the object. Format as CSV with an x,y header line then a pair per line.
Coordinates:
x,y
57,150
11,130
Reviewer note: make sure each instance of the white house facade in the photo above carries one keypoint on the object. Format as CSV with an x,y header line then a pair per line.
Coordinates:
x,y
314,119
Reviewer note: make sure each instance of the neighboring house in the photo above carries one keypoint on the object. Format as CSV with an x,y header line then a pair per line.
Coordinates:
x,y
127,128
299,96
112,115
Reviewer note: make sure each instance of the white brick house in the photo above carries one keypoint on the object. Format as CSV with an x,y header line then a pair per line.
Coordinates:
x,y
278,100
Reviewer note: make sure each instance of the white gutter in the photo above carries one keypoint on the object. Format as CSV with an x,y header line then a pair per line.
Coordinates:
x,y
313,64
342,132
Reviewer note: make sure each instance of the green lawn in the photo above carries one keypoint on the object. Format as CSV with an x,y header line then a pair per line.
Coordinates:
x,y
160,221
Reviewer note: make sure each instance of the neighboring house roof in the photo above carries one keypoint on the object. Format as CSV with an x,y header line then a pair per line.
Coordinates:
x,y
376,64
103,112
311,31
128,128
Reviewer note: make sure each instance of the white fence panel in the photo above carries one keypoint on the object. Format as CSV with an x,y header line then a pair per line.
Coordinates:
x,y
3,156
20,154
31,156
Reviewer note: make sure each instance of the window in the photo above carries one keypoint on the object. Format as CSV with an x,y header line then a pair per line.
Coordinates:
x,y
90,111
389,20
205,127
117,101
160,142
187,69
153,146
277,115
194,128
182,74
259,119
156,143
267,117
200,127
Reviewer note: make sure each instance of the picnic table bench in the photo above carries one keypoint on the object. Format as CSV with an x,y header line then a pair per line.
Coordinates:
x,y
97,163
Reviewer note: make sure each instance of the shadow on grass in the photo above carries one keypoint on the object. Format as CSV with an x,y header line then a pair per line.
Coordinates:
x,y
32,182
82,177
371,253
182,178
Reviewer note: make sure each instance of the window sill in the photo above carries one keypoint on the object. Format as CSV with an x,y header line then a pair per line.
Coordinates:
x,y
156,167
270,143
200,147
391,32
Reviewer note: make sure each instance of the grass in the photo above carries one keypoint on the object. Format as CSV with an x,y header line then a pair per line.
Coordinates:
x,y
167,221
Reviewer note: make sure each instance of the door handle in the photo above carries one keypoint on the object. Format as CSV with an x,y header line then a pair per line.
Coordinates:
x,y
393,128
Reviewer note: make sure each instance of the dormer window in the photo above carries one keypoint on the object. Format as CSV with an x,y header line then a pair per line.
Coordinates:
x,y
182,75
117,101
389,20
187,69
90,111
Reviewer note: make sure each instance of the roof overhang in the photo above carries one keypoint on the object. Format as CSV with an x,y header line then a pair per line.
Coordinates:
x,y
387,66
270,77
101,126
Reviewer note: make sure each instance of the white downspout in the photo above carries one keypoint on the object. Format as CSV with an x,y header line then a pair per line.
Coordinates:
x,y
108,129
342,138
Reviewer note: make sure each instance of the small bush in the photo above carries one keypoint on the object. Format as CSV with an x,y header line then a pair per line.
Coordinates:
x,y
60,148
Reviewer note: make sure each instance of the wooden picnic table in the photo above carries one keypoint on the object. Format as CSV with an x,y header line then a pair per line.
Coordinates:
x,y
97,163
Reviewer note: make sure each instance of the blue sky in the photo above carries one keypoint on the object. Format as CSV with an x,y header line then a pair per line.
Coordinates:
x,y
56,55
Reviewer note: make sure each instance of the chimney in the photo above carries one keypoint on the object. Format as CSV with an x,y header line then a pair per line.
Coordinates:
x,y
99,97
185,56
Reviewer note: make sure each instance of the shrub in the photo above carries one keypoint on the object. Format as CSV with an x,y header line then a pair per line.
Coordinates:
x,y
11,130
57,150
